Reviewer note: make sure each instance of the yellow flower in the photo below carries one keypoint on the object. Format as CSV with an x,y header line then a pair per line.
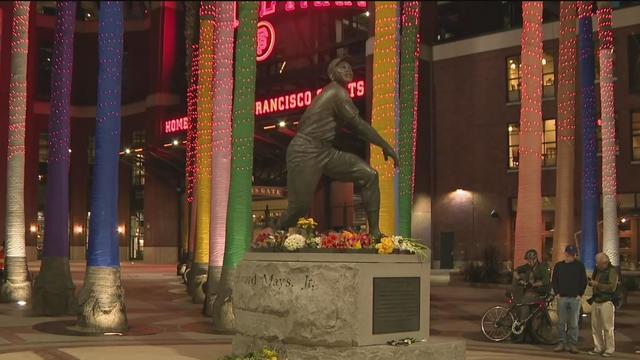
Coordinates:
x,y
357,245
385,246
307,223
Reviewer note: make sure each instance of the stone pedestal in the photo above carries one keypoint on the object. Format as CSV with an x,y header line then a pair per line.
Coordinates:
x,y
335,306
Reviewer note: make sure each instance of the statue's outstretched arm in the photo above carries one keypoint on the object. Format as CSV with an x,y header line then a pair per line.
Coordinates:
x,y
348,112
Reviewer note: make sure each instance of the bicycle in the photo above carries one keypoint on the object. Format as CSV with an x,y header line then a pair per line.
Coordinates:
x,y
499,322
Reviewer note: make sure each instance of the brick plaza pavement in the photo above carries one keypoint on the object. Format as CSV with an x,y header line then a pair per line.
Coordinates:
x,y
166,325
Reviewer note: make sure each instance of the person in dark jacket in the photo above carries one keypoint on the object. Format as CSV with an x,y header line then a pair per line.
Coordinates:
x,y
531,281
569,281
604,282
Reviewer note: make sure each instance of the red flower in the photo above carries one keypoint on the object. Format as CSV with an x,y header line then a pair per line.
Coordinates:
x,y
365,240
261,240
329,241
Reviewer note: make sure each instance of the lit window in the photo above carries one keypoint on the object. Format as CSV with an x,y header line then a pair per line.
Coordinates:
x,y
138,142
514,80
514,143
635,135
43,147
548,144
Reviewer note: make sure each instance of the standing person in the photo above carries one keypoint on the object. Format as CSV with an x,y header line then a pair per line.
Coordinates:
x,y
604,282
569,281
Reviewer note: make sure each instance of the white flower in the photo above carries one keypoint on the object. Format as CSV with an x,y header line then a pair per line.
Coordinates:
x,y
294,242
314,242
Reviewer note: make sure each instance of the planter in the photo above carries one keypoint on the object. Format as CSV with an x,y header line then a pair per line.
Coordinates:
x,y
326,250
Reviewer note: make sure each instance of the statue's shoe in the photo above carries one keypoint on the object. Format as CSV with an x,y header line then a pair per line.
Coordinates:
x,y
377,235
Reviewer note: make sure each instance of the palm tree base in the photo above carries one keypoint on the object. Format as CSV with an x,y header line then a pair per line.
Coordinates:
x,y
54,291
101,301
197,278
16,285
213,279
223,316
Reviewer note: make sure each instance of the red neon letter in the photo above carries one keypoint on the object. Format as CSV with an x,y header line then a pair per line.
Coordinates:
x,y
362,4
267,8
351,87
360,86
303,4
281,103
167,127
307,97
289,5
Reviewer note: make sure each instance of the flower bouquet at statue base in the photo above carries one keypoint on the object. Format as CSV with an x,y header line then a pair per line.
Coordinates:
x,y
305,238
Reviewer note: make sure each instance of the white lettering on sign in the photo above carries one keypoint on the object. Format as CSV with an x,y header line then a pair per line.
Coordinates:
x,y
301,99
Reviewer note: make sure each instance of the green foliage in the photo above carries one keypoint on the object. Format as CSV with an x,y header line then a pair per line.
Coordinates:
x,y
264,354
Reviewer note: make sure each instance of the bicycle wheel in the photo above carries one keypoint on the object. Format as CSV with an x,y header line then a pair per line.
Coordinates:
x,y
496,323
544,329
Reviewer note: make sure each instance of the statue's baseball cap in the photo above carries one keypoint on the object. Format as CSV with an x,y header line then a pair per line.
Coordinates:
x,y
335,62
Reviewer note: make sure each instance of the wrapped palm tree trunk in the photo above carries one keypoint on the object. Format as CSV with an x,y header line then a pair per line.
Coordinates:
x,y
200,265
54,289
383,115
101,300
529,208
221,135
610,236
408,112
565,190
16,284
239,225
191,23
590,196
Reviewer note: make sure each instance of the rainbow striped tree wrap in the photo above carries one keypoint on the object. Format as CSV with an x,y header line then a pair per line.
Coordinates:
x,y
56,233
408,112
239,222
103,236
203,137
383,115
590,196
223,105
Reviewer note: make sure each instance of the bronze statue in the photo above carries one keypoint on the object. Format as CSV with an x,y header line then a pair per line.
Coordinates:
x,y
311,153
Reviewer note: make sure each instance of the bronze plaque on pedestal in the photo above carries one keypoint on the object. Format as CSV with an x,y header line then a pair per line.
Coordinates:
x,y
396,305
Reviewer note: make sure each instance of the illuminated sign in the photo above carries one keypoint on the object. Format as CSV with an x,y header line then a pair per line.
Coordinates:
x,y
267,191
300,99
175,125
266,38
272,7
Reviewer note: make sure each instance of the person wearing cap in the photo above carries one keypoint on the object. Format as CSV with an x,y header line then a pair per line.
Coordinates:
x,y
569,282
312,153
604,282
530,283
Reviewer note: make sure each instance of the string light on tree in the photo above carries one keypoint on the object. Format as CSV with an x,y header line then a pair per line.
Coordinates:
x,y
239,208
529,212
203,143
15,285
408,111
610,243
192,113
590,197
383,114
221,129
565,168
